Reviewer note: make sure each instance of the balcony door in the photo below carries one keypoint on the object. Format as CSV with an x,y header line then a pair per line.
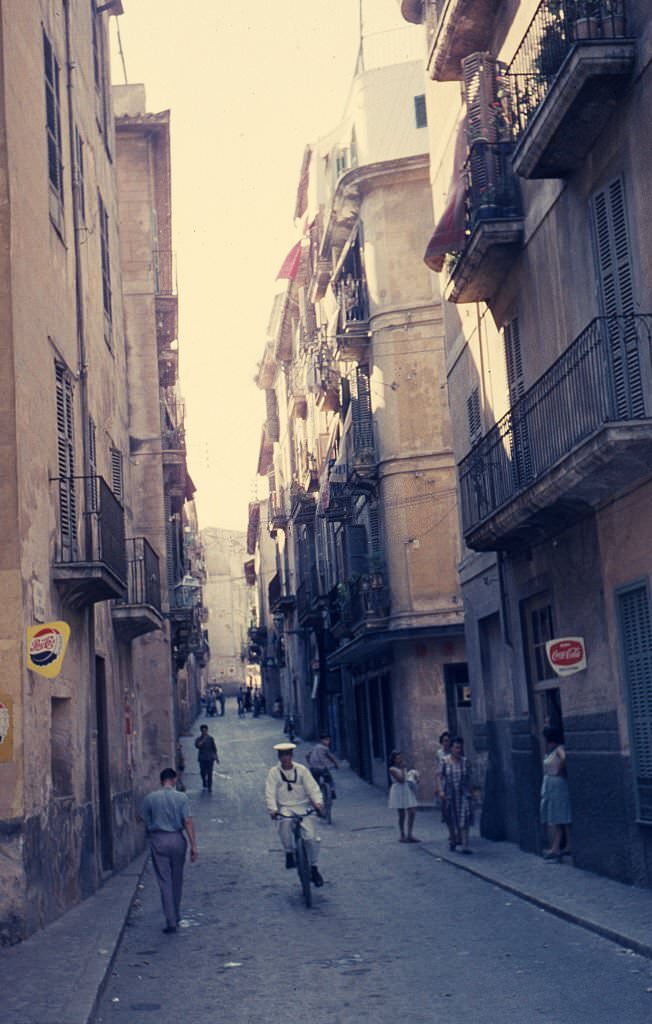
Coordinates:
x,y
616,291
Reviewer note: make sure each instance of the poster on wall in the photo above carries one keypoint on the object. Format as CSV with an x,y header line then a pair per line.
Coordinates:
x,y
6,729
46,648
566,655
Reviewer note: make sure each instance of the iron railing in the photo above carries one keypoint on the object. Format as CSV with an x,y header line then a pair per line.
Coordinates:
x,y
492,191
165,272
359,599
598,379
352,297
144,580
103,529
556,27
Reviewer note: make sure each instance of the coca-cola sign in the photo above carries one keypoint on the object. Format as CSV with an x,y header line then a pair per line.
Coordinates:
x,y
566,655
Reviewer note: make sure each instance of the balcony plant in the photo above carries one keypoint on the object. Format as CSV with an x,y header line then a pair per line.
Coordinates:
x,y
586,19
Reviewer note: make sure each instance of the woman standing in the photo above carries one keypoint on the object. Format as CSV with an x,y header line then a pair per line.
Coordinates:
x,y
555,797
455,790
402,797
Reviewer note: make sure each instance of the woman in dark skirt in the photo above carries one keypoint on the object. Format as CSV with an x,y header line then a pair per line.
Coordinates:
x,y
555,798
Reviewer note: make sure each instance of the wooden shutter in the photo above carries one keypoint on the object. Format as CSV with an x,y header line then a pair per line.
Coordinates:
x,y
636,642
520,450
66,462
473,415
615,280
91,483
356,550
117,482
361,411
373,518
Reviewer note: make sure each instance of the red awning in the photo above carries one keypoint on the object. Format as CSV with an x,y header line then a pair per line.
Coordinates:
x,y
450,232
290,264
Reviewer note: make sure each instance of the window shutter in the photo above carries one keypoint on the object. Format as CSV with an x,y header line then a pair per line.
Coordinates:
x,y
66,462
356,550
117,484
92,487
420,111
636,640
373,516
520,450
361,411
473,415
615,279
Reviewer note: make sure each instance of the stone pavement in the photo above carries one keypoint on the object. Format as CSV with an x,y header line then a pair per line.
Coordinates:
x,y
57,975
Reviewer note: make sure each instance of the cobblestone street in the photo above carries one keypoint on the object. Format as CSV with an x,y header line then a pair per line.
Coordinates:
x,y
395,931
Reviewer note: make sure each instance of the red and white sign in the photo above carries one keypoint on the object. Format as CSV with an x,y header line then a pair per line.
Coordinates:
x,y
566,655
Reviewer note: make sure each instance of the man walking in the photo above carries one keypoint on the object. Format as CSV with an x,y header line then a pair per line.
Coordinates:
x,y
207,757
166,814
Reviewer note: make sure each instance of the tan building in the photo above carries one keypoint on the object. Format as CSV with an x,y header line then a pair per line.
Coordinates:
x,y
545,261
357,446
226,599
76,543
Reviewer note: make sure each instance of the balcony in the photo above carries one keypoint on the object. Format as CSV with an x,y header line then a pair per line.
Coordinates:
x,y
494,224
140,611
296,385
303,505
567,77
353,334
455,29
360,603
279,601
309,598
277,517
90,560
165,296
579,436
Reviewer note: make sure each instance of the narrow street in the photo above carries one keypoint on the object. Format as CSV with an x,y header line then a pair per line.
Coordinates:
x,y
394,933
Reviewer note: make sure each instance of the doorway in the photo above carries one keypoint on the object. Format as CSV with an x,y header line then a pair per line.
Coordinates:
x,y
458,703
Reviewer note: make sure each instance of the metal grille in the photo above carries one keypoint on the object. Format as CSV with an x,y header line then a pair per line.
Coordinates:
x,y
144,581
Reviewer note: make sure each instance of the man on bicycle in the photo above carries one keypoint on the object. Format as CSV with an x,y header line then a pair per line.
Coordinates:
x,y
290,790
320,760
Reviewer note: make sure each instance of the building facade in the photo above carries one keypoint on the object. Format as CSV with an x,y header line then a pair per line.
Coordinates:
x,y
364,603
540,183
226,597
76,545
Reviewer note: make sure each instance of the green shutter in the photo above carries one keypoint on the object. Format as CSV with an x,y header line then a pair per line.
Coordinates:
x,y
636,641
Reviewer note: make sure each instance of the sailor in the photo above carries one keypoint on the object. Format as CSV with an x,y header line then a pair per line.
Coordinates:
x,y
290,790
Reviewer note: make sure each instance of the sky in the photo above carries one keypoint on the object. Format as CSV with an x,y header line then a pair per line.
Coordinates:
x,y
248,86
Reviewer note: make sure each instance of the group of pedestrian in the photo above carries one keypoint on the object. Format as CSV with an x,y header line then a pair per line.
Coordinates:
x,y
212,699
251,699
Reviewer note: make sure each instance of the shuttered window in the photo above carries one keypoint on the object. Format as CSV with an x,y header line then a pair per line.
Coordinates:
x,y
80,183
615,279
636,645
361,412
117,484
66,463
107,299
53,130
520,451
420,111
91,483
356,550
473,416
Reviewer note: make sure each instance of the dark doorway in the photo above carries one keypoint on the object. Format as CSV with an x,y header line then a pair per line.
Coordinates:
x,y
103,767
362,728
458,703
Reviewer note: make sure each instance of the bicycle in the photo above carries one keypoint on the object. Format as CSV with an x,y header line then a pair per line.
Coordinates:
x,y
325,780
301,854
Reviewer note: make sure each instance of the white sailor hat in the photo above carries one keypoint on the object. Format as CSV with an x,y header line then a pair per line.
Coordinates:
x,y
281,747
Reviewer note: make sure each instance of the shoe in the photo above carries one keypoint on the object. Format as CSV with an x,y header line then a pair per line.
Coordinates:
x,y
315,877
452,847
290,862
465,849
169,929
412,839
552,858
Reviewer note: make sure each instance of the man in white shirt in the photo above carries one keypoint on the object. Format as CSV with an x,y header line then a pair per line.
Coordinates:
x,y
320,760
291,789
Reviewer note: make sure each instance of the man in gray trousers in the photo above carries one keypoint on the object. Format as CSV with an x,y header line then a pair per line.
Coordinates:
x,y
166,814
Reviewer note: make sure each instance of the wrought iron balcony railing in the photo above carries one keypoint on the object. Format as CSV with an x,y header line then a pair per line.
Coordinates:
x,y
598,380
144,580
352,297
492,191
554,30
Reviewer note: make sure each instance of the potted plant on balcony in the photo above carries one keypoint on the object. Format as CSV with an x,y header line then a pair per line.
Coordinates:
x,y
586,20
612,19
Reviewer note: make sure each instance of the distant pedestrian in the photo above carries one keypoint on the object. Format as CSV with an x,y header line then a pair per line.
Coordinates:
x,y
221,700
555,797
442,753
180,763
457,797
207,757
402,797
166,814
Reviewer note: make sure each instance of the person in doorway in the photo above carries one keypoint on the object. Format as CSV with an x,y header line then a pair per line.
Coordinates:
x,y
321,760
402,797
166,814
207,757
221,700
457,797
555,797
289,790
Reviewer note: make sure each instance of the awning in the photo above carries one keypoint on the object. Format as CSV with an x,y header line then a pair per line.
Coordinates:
x,y
302,189
450,232
290,264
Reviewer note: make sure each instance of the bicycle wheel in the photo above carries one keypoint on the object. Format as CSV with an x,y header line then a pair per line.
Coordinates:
x,y
303,869
327,800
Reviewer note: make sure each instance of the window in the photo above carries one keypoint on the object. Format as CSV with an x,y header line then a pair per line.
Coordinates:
x,y
420,112
53,130
91,484
106,271
117,484
520,451
473,416
636,646
66,464
99,74
341,162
